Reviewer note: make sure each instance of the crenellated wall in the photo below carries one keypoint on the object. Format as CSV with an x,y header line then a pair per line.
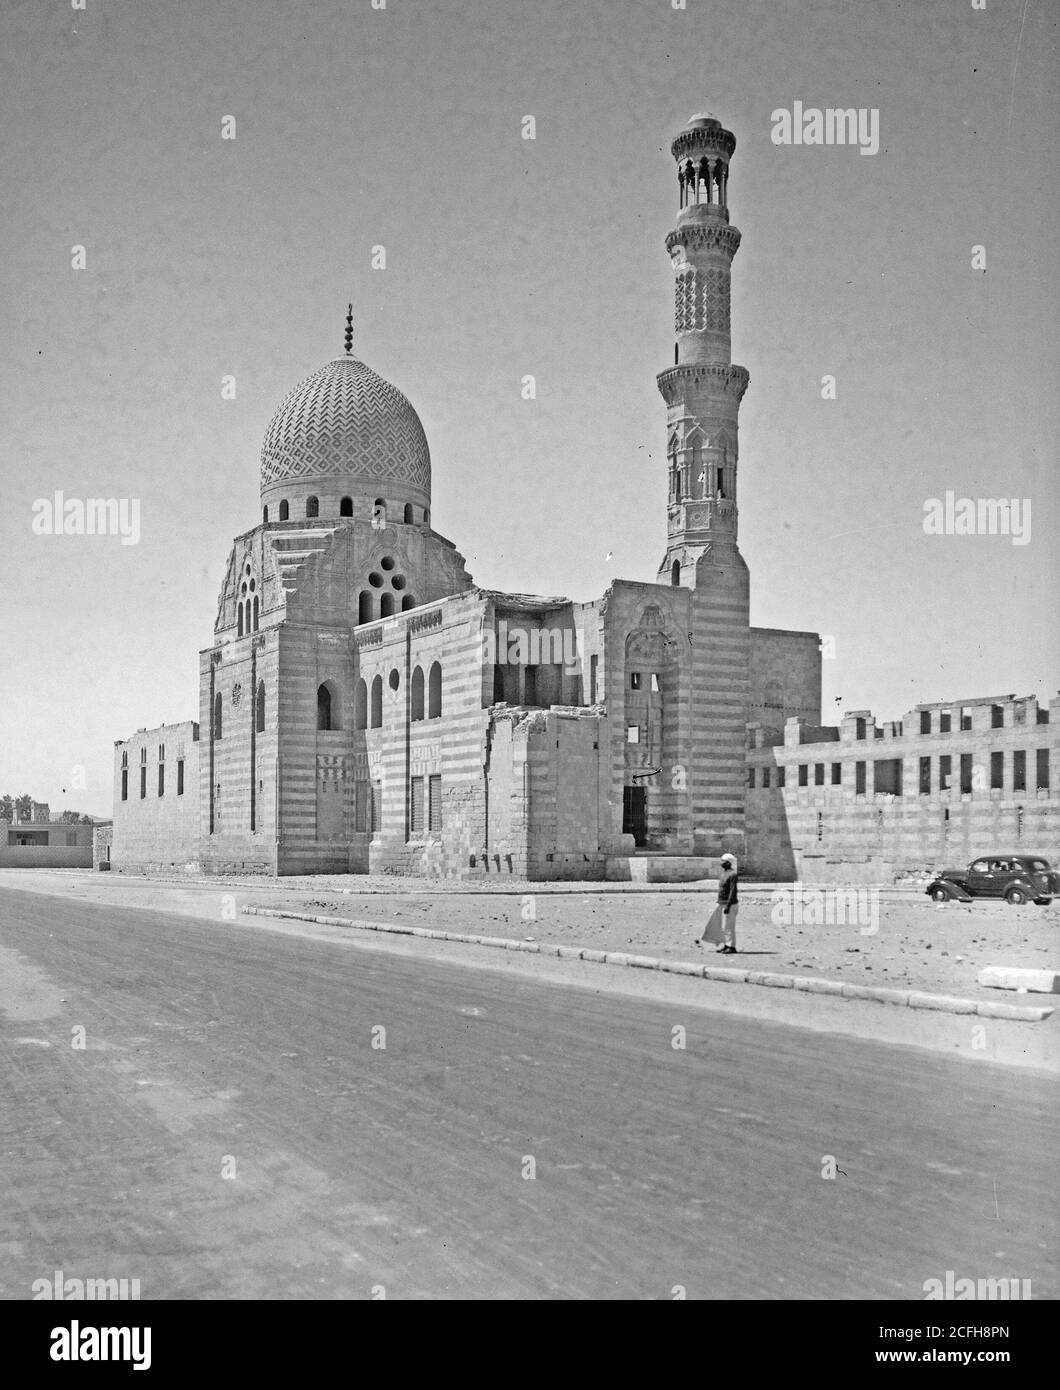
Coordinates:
x,y
869,802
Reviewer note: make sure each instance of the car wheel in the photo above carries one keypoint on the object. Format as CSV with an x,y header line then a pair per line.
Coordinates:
x,y
940,895
1015,896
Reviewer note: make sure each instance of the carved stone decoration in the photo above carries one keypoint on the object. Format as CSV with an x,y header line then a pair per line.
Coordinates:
x,y
714,308
345,419
237,693
688,304
704,236
331,771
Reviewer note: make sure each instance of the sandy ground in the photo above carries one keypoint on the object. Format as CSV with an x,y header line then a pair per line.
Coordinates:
x,y
912,945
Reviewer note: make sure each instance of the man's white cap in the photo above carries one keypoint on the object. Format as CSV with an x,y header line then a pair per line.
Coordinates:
x,y
729,859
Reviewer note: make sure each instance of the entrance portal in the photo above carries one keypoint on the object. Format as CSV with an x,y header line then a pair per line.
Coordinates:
x,y
634,814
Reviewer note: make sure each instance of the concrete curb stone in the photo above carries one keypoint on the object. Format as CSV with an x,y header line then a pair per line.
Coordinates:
x,y
771,979
947,1003
916,999
812,985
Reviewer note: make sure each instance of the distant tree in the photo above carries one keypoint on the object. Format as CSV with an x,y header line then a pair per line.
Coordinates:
x,y
88,820
69,818
24,806
7,808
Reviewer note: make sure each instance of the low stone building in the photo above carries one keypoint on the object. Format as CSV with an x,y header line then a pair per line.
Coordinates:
x,y
44,844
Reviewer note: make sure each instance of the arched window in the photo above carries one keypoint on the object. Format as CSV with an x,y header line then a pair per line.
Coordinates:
x,y
366,607
377,703
265,515
218,706
407,602
426,516
323,707
259,708
346,507
255,612
285,510
408,513
675,573
379,513
417,693
386,605
360,705
239,620
312,506
246,621
434,692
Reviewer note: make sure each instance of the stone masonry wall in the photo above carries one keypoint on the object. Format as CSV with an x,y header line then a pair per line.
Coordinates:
x,y
157,831
831,822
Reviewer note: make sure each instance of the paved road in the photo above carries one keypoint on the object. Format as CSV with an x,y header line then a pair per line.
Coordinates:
x,y
213,1044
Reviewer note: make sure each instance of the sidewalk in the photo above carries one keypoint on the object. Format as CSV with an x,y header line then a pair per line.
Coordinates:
x,y
916,946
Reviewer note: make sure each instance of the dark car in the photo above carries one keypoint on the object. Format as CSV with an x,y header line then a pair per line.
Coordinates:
x,y
1018,878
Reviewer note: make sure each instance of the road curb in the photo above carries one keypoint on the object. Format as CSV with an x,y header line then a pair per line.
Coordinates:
x,y
914,999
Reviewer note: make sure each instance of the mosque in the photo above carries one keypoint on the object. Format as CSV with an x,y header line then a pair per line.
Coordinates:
x,y
366,707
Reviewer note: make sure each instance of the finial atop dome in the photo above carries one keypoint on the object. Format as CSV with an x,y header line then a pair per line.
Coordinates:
x,y
349,330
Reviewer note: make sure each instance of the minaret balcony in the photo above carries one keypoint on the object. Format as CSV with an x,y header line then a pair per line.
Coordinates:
x,y
702,514
702,212
723,376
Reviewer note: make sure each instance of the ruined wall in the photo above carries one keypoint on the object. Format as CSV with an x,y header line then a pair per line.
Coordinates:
x,y
784,677
102,840
832,822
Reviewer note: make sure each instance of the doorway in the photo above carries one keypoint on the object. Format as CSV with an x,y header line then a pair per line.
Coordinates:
x,y
634,814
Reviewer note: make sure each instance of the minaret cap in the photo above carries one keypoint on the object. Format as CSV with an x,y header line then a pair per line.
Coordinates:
x,y
349,330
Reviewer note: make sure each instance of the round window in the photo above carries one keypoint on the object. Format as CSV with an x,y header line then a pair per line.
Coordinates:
x,y
395,679
398,581
387,562
375,580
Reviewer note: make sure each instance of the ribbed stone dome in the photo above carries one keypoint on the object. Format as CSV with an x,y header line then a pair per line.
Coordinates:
x,y
345,424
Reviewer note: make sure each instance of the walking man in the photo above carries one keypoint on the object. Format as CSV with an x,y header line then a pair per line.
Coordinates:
x,y
722,924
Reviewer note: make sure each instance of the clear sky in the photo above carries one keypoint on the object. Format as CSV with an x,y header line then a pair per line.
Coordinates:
x,y
357,127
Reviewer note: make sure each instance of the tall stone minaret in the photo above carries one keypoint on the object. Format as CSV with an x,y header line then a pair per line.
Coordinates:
x,y
703,388
702,391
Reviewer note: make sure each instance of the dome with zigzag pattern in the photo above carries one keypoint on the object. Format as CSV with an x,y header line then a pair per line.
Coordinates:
x,y
345,430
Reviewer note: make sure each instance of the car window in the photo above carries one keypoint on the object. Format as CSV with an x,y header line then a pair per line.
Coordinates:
x,y
1040,866
979,867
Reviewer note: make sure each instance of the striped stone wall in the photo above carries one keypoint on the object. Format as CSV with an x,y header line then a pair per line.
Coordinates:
x,y
721,656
